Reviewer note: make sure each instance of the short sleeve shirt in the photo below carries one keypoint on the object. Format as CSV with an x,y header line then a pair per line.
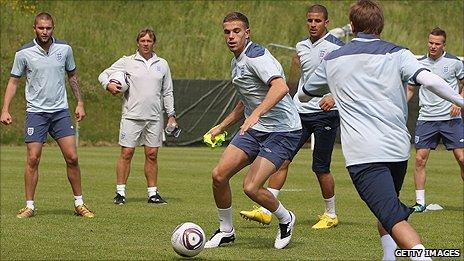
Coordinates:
x,y
252,73
368,78
45,74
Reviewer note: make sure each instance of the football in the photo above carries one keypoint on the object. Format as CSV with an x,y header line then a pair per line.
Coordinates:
x,y
120,77
188,239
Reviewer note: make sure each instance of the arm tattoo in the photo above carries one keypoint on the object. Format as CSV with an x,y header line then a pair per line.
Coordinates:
x,y
75,88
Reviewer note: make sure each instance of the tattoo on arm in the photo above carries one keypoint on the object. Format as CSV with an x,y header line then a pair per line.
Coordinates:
x,y
75,88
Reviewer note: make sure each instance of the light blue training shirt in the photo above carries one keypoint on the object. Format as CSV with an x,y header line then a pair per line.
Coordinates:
x,y
368,78
252,73
45,74
310,55
450,68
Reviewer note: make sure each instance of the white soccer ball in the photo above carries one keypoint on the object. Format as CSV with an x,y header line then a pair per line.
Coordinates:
x,y
120,77
188,239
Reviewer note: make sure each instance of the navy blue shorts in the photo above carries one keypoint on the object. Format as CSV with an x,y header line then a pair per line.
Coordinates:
x,y
429,133
379,186
324,125
274,146
38,124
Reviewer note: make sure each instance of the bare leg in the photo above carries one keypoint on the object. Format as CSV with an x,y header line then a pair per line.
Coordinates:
x,y
68,149
277,179
151,166
459,156
327,184
31,173
405,235
232,161
259,173
419,171
123,165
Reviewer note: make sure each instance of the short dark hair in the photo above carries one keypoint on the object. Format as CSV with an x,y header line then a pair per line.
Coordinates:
x,y
43,16
144,32
236,16
319,9
437,31
367,17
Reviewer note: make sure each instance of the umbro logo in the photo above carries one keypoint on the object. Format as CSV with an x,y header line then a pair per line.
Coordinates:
x,y
461,140
327,128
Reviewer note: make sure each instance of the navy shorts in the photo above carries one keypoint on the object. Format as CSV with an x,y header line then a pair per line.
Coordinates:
x,y
274,146
379,186
429,133
324,125
38,124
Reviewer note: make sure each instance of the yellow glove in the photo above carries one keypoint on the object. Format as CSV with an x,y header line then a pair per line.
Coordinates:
x,y
216,142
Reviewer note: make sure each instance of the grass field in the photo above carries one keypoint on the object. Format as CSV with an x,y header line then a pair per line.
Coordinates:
x,y
138,231
190,38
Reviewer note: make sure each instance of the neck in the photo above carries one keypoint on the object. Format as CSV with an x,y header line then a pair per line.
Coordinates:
x,y
434,57
46,45
316,38
146,56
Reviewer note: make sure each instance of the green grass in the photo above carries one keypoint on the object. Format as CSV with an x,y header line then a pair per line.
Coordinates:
x,y
138,231
190,38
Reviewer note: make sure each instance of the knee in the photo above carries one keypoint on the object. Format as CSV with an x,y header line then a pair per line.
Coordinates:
x,y
152,155
250,190
420,161
127,155
460,160
33,161
72,160
218,179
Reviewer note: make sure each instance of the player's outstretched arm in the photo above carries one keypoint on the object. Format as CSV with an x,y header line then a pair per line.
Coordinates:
x,y
80,111
9,94
440,87
276,92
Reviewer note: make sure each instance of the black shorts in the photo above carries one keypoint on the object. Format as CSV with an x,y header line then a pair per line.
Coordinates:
x,y
324,125
379,185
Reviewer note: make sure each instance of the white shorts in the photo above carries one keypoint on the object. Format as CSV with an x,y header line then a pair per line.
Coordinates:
x,y
133,133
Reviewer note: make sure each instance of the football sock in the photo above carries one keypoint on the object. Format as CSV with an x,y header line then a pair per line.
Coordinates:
x,y
225,219
420,196
30,204
389,247
330,207
78,200
282,214
121,189
152,191
274,192
422,257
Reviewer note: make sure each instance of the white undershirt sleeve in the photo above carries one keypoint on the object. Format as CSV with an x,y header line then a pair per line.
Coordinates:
x,y
440,87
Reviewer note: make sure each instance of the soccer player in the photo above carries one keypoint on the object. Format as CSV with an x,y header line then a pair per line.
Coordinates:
x,y
266,139
149,78
318,116
438,118
367,78
44,61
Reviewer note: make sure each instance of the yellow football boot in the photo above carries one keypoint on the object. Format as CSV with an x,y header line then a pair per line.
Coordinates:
x,y
25,213
326,222
83,211
257,214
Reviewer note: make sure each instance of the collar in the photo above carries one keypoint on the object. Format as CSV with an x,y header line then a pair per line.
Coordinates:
x,y
363,37
40,47
153,58
244,50
320,39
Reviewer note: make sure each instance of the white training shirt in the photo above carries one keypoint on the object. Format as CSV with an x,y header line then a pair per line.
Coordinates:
x,y
252,73
367,78
310,56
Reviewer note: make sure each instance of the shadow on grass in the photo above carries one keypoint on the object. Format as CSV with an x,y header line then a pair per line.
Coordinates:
x,y
55,212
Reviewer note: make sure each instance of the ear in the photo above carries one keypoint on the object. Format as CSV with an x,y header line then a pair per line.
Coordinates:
x,y
248,33
326,22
